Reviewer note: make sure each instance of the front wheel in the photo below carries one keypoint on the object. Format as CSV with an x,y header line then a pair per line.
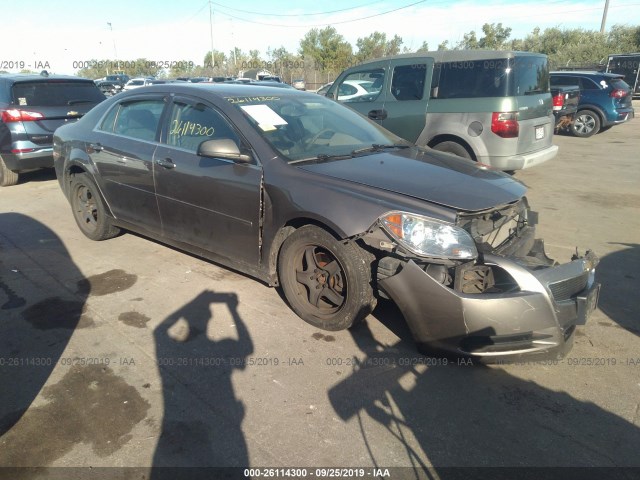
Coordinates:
x,y
586,124
326,282
89,210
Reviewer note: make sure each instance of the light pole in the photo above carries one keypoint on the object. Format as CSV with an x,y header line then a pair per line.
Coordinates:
x,y
115,51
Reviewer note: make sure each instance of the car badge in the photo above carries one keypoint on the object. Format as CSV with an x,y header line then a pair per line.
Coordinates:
x,y
72,113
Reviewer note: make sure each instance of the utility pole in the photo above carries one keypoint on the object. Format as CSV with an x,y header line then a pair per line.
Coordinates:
x,y
115,51
213,62
604,16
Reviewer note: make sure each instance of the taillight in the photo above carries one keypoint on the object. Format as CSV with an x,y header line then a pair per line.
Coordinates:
x,y
617,93
558,101
15,115
505,125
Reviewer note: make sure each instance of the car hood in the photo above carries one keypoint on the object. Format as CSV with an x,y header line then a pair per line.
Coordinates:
x,y
428,175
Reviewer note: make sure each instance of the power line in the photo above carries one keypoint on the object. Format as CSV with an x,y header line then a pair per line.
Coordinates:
x,y
322,24
297,14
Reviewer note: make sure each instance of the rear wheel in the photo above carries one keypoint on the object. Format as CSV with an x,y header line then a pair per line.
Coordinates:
x,y
7,177
326,282
453,147
586,124
89,210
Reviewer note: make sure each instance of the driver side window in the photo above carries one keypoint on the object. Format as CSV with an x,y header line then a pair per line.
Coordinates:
x,y
364,86
192,124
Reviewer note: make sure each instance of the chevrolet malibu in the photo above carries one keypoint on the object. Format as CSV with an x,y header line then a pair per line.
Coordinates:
x,y
302,193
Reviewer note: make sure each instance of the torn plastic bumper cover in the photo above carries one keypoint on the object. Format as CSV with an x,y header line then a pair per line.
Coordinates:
x,y
536,318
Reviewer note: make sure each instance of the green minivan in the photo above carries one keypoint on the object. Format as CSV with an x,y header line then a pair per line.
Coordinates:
x,y
491,106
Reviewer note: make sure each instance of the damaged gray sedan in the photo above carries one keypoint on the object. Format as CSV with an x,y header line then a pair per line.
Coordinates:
x,y
303,193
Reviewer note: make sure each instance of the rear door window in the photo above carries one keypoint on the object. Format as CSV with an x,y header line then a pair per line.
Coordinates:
x,y
408,82
471,79
55,93
137,119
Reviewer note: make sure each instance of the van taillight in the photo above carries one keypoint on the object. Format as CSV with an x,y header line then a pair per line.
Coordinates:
x,y
617,93
558,101
15,115
505,125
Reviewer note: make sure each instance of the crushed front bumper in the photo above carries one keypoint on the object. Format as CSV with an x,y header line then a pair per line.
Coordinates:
x,y
536,320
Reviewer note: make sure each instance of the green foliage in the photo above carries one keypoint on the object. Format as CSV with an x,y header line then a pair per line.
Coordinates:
x,y
327,49
377,46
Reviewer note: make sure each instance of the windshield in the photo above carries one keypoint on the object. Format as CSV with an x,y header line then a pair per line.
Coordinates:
x,y
55,93
308,126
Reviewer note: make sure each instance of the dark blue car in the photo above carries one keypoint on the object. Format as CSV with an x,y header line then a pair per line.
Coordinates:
x,y
605,100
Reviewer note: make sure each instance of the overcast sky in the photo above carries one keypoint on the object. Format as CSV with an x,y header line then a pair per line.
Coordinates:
x,y
64,33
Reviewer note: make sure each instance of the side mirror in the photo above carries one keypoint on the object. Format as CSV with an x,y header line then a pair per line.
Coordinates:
x,y
223,148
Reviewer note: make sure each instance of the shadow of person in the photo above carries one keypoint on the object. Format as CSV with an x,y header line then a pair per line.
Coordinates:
x,y
38,314
476,421
619,273
202,423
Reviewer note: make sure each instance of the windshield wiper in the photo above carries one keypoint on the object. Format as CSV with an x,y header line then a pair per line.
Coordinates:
x,y
74,102
378,148
320,158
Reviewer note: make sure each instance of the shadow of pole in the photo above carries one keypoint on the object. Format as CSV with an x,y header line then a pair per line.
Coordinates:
x,y
202,423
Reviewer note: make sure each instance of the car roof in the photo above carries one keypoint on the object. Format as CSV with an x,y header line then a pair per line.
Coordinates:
x,y
32,77
456,55
220,90
587,73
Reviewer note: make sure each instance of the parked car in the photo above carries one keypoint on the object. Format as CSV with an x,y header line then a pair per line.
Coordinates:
x,y
565,105
627,64
31,108
119,78
358,91
605,100
299,84
490,106
109,88
302,192
137,83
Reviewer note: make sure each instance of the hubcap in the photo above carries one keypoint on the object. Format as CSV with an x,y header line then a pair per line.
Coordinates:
x,y
584,124
86,208
321,279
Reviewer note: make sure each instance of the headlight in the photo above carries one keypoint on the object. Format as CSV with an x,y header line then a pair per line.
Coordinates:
x,y
429,237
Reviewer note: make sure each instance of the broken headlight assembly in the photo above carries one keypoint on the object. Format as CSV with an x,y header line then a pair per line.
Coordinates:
x,y
428,237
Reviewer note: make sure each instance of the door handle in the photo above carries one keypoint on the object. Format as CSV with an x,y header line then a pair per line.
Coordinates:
x,y
377,114
96,147
166,163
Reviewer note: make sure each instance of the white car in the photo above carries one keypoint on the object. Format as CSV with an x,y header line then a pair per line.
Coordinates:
x,y
137,82
353,90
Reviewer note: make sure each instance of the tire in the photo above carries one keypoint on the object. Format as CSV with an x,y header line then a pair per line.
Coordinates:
x,y
453,147
326,282
89,210
7,177
586,124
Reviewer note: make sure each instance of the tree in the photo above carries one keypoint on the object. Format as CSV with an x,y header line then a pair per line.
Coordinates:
x,y
495,36
326,48
377,46
423,48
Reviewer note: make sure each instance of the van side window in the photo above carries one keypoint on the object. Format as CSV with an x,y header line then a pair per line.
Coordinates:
x,y
408,82
471,79
364,86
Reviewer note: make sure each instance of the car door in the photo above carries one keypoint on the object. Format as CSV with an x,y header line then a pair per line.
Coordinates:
x,y
123,150
211,203
406,101
364,89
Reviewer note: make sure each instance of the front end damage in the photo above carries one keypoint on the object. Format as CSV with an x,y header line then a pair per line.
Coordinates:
x,y
509,302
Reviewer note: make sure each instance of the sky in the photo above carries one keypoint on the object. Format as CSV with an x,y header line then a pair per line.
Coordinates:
x,y
62,35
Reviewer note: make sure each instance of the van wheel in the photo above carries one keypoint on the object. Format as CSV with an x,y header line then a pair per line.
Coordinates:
x,y
326,282
452,147
7,177
89,210
587,123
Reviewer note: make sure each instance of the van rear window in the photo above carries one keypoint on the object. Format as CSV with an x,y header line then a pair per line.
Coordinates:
x,y
55,94
502,77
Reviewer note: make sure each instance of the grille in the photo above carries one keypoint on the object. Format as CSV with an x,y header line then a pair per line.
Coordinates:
x,y
565,289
